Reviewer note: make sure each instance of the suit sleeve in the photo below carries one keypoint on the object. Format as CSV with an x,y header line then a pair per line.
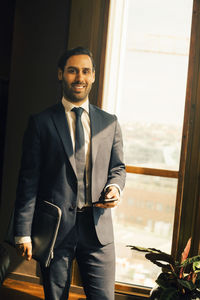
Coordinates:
x,y
117,173
28,180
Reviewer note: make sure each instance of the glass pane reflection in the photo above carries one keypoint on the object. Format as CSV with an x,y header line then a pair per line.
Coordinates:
x,y
144,218
152,85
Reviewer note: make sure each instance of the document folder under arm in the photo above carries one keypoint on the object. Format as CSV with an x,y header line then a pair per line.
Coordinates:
x,y
45,226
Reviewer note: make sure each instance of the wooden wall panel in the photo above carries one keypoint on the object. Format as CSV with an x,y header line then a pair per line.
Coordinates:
x,y
7,9
88,25
40,35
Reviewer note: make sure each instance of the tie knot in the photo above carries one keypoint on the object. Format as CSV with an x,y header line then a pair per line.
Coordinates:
x,y
78,111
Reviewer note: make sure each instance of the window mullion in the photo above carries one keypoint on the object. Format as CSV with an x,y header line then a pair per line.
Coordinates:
x,y
151,171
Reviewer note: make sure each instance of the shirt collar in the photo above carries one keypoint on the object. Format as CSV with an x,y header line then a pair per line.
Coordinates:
x,y
68,105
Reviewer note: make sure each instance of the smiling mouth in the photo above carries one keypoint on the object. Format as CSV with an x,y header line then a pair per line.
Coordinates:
x,y
78,86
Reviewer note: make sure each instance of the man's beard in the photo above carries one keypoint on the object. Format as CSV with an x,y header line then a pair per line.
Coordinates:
x,y
71,95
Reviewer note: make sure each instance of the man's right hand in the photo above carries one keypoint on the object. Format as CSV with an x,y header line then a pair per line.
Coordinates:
x,y
24,250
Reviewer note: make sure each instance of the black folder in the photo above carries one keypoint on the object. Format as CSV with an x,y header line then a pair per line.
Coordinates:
x,y
45,228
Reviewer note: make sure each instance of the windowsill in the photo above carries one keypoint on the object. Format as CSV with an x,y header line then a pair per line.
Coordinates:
x,y
122,291
132,290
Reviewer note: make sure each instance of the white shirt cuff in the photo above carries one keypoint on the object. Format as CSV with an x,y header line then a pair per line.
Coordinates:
x,y
22,239
114,184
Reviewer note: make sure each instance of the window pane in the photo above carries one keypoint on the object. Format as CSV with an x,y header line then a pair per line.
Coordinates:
x,y
143,218
148,92
145,85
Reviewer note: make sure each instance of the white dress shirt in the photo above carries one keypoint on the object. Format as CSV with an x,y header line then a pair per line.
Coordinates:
x,y
71,119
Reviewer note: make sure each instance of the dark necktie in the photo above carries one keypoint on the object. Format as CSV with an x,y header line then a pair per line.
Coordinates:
x,y
80,156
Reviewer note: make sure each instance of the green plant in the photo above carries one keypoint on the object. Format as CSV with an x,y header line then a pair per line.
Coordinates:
x,y
178,280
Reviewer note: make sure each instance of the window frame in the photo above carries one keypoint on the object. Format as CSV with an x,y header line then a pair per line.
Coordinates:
x,y
188,190
187,202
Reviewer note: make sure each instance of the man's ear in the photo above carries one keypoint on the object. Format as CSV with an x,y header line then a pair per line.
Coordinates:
x,y
60,74
93,75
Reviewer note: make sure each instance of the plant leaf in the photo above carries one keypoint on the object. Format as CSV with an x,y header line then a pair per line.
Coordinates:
x,y
181,272
196,266
164,280
194,278
169,294
186,284
191,260
156,258
186,251
141,249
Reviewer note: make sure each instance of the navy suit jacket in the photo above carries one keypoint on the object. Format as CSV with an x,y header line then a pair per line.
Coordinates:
x,y
48,170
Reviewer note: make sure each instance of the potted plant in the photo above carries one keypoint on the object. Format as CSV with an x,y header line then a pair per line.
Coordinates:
x,y
178,280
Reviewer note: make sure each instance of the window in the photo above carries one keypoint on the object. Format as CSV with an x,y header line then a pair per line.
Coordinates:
x,y
145,85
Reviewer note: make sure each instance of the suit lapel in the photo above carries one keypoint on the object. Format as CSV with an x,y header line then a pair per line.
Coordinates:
x,y
95,124
62,127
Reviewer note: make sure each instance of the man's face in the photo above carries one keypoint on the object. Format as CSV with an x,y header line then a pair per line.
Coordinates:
x,y
77,78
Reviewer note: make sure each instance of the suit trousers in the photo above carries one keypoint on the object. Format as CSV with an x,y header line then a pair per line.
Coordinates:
x,y
96,263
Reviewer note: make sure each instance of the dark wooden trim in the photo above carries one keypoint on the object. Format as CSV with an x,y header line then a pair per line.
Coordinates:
x,y
24,277
103,54
21,282
23,289
187,213
4,86
132,290
152,172
88,26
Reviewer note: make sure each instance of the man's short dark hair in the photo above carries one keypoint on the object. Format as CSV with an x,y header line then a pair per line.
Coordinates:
x,y
75,51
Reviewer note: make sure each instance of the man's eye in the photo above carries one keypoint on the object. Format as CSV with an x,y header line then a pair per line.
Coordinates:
x,y
71,71
86,71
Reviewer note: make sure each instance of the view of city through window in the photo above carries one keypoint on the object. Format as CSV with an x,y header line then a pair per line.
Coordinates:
x,y
149,102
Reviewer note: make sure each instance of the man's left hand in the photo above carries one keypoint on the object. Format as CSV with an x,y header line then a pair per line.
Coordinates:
x,y
111,192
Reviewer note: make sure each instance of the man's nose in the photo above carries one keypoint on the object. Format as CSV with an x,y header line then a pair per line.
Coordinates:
x,y
79,76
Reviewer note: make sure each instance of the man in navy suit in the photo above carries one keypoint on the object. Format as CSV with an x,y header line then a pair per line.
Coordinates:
x,y
51,170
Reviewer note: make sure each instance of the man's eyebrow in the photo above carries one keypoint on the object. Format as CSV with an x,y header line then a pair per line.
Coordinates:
x,y
72,67
84,68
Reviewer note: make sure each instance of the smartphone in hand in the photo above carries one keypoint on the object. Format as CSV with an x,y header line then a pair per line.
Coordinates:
x,y
105,200
109,200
